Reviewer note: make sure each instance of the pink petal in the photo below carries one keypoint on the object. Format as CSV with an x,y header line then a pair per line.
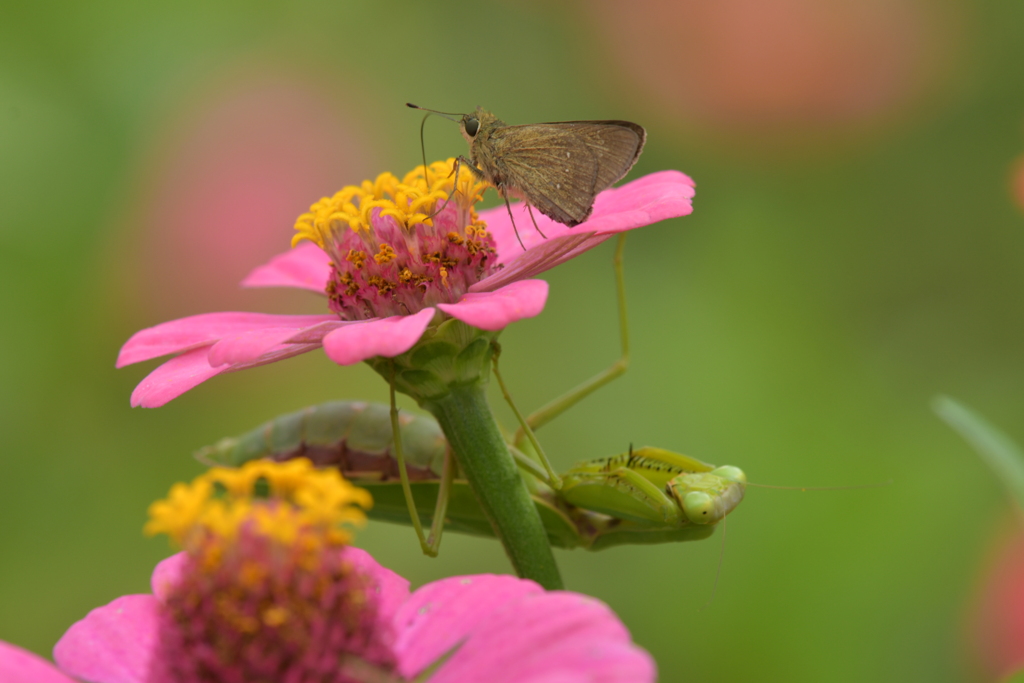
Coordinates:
x,y
511,630
497,309
184,334
21,666
166,574
184,372
386,337
500,226
442,613
114,643
306,266
540,258
250,345
652,198
174,378
392,588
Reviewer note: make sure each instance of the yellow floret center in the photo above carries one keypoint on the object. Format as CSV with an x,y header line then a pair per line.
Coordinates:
x,y
281,501
411,201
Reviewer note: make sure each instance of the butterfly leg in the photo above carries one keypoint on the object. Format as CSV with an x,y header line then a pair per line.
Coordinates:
x,y
459,160
470,166
509,208
480,176
530,209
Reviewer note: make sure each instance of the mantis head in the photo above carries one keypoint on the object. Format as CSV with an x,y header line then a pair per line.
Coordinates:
x,y
707,497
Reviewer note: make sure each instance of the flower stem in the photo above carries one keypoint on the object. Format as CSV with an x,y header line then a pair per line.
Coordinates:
x,y
484,459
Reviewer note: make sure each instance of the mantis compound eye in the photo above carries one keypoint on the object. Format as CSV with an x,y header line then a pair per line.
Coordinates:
x,y
699,507
734,474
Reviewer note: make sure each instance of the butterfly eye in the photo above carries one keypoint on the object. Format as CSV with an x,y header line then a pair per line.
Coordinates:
x,y
471,124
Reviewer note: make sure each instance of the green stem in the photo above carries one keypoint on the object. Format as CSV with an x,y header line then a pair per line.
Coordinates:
x,y
484,459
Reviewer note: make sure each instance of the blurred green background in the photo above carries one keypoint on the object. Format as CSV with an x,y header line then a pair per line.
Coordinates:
x,y
855,249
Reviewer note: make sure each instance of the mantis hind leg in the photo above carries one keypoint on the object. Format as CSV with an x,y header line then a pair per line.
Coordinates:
x,y
548,476
429,544
541,417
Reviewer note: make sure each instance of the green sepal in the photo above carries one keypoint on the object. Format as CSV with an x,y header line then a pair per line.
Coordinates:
x,y
449,353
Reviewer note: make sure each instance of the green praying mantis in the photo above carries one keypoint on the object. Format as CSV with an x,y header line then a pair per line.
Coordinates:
x,y
643,496
646,495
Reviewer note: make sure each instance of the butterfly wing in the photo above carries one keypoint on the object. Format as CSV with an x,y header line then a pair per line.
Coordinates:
x,y
560,167
616,144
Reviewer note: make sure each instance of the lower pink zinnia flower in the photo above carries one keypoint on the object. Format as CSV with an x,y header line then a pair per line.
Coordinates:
x,y
390,270
509,629
267,590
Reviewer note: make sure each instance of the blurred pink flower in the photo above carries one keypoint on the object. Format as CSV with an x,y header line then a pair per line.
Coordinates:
x,y
487,286
998,619
229,168
501,628
779,66
21,666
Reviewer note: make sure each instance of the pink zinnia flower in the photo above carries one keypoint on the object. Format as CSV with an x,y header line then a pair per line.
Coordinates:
x,y
390,271
267,590
998,614
510,630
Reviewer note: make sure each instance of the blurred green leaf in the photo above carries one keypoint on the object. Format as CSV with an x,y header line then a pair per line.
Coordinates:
x,y
997,450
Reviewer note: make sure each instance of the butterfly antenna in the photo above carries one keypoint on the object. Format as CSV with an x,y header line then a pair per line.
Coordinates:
x,y
423,152
445,114
423,149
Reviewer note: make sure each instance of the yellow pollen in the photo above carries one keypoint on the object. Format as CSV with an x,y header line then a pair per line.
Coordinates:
x,y
217,504
409,201
275,616
383,286
356,258
385,254
252,574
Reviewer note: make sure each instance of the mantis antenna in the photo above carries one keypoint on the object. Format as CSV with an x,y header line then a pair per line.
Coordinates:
x,y
718,572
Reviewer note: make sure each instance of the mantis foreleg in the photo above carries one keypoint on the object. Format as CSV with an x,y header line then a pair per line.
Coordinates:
x,y
623,493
